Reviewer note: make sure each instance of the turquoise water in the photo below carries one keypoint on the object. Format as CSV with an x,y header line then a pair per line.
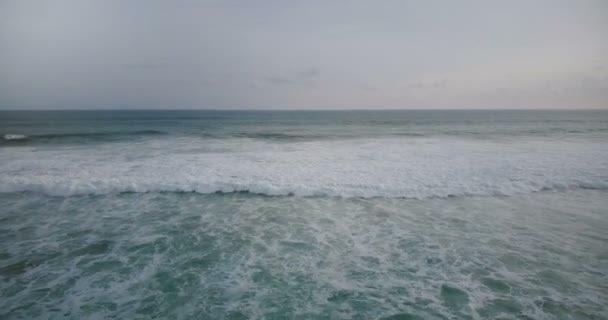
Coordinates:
x,y
304,215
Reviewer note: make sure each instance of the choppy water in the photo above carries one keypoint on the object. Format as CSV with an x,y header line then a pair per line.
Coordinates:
x,y
304,215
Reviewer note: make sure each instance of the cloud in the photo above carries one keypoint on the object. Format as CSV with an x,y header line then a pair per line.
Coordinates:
x,y
258,54
595,82
302,77
309,73
280,80
144,66
428,84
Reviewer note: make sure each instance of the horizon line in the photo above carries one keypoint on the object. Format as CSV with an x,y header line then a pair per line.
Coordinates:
x,y
305,109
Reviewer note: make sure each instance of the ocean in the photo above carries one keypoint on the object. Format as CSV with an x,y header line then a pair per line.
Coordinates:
x,y
304,214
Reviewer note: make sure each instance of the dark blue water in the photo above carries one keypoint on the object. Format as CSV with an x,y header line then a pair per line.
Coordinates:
x,y
55,126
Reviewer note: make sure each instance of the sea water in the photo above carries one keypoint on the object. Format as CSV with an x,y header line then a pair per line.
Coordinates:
x,y
304,215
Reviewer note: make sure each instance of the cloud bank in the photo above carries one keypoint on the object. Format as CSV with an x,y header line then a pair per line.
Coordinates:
x,y
98,54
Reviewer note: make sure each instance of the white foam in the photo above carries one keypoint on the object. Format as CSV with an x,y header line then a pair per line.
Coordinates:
x,y
14,137
390,167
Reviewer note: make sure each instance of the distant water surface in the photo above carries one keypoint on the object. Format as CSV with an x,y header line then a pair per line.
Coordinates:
x,y
304,214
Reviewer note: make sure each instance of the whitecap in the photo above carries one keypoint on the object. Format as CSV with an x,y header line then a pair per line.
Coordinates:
x,y
14,136
373,168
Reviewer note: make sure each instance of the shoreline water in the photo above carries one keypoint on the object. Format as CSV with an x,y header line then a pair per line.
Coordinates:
x,y
236,255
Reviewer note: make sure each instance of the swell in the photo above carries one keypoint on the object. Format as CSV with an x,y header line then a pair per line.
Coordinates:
x,y
365,192
15,138
372,168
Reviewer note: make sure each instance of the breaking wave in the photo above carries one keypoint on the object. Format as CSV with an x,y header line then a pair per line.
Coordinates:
x,y
114,186
77,137
14,137
368,168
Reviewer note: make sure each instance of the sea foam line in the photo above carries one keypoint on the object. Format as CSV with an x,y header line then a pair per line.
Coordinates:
x,y
99,187
392,168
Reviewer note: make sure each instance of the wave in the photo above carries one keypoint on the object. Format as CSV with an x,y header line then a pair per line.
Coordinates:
x,y
367,168
101,187
277,136
96,134
17,139
82,136
15,136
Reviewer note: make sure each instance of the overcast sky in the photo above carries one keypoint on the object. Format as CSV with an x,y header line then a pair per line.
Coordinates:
x,y
148,54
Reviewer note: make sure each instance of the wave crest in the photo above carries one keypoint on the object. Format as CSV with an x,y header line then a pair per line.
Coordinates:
x,y
390,168
10,136
65,187
78,137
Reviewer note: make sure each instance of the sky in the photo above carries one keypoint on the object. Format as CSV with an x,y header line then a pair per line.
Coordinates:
x,y
351,54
